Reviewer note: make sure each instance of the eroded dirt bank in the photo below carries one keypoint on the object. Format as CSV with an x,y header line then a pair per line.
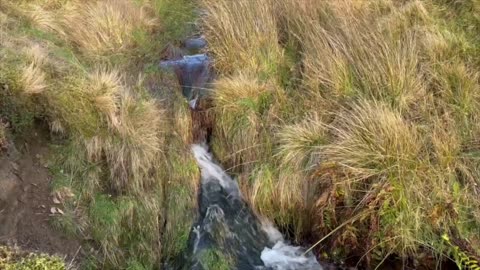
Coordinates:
x,y
26,202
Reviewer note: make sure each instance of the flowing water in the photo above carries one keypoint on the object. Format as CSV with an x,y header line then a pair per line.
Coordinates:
x,y
227,234
226,223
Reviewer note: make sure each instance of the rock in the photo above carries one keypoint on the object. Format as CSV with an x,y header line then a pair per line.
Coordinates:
x,y
195,43
193,73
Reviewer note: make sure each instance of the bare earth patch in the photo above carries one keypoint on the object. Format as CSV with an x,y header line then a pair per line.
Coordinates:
x,y
26,201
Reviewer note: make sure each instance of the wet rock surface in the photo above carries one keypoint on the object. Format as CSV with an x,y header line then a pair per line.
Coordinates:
x,y
194,72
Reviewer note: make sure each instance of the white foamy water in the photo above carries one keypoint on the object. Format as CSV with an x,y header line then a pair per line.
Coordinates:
x,y
273,234
281,256
285,257
211,171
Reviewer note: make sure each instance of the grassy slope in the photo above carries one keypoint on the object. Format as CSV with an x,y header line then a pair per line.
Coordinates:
x,y
357,118
87,68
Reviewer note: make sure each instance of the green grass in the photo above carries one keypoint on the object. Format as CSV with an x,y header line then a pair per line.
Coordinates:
x,y
178,18
370,132
80,68
355,118
211,259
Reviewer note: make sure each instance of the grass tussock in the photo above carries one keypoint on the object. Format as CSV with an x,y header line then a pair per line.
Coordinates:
x,y
97,28
102,27
33,79
371,137
75,66
233,46
242,104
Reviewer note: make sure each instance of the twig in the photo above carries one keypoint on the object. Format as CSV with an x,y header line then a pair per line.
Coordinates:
x,y
70,265
332,232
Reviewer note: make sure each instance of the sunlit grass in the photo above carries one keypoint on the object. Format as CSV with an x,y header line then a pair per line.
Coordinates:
x,y
377,136
78,66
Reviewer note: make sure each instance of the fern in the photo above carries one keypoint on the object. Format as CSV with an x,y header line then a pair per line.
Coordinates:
x,y
462,259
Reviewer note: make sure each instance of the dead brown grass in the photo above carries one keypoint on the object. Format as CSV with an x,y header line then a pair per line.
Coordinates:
x,y
97,28
377,136
253,46
69,63
103,27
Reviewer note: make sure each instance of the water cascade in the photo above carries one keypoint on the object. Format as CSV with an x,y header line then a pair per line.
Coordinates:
x,y
227,234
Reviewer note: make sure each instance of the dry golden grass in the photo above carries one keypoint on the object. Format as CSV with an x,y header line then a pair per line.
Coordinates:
x,y
254,46
101,27
244,91
97,28
371,140
280,196
37,54
380,141
299,141
122,157
33,79
241,103
107,89
44,19
348,57
128,128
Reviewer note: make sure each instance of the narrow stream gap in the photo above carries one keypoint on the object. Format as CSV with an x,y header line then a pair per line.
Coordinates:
x,y
227,234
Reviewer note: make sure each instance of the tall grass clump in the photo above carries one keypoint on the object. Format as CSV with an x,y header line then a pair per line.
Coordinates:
x,y
115,126
96,28
253,47
371,142
243,104
127,179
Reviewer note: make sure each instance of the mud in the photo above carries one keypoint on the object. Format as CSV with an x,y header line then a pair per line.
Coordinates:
x,y
25,200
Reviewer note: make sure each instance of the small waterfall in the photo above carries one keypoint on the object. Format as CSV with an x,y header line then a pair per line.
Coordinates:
x,y
227,224
213,172
193,73
227,234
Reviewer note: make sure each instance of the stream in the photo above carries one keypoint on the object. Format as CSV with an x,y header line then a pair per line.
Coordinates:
x,y
226,226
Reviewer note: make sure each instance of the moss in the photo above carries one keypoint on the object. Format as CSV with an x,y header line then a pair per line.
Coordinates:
x,y
212,259
14,259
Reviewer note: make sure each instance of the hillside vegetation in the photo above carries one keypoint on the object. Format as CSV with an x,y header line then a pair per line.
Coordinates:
x,y
353,125
88,70
354,120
